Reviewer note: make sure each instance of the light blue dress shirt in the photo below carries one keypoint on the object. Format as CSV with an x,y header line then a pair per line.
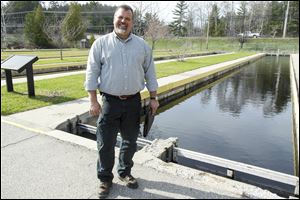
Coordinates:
x,y
120,67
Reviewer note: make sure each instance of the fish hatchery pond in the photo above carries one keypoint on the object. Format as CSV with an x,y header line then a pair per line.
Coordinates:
x,y
245,116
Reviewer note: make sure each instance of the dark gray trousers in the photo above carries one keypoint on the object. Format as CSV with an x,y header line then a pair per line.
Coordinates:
x,y
117,116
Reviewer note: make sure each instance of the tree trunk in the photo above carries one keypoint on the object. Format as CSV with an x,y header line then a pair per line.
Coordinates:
x,y
207,34
153,45
285,20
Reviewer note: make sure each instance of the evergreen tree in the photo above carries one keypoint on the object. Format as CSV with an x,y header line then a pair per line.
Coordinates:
x,y
216,26
92,40
276,18
34,28
242,13
73,28
293,21
21,6
178,26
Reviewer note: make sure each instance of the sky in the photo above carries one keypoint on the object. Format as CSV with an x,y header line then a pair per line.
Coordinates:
x,y
163,8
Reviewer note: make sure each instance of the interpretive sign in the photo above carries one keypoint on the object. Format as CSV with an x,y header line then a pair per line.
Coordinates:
x,y
19,63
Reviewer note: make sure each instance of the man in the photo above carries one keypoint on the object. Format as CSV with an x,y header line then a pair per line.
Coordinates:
x,y
118,65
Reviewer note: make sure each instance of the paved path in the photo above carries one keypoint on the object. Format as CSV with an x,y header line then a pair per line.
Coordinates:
x,y
35,165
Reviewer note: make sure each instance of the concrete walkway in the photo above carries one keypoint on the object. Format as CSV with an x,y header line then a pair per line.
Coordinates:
x,y
35,165
38,161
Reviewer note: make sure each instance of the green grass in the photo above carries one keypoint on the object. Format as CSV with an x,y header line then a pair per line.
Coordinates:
x,y
175,67
46,53
58,90
50,58
229,44
48,92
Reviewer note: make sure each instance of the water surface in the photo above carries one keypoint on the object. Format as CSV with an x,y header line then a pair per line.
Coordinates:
x,y
245,117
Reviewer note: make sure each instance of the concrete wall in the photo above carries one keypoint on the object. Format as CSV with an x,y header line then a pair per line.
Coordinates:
x,y
294,78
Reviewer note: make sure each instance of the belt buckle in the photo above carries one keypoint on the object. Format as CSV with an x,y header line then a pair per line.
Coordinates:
x,y
122,98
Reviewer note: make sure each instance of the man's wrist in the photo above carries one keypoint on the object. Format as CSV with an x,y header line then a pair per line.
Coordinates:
x,y
154,98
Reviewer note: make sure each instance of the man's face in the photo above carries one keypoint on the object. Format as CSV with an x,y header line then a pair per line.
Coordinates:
x,y
123,23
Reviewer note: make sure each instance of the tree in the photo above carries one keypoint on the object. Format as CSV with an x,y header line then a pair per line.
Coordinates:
x,y
53,29
208,8
73,28
242,13
216,28
155,29
293,21
92,40
139,23
4,11
190,21
286,19
178,26
276,18
33,29
21,6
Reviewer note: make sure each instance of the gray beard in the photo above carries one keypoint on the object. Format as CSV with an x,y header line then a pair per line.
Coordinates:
x,y
121,30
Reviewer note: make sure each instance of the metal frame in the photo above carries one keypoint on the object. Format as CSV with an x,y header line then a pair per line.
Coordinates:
x,y
92,129
233,166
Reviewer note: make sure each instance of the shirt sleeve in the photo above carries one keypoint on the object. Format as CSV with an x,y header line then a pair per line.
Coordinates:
x,y
149,69
93,68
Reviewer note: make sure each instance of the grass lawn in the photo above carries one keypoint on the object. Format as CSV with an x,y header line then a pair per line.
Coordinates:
x,y
46,53
50,58
176,67
58,90
75,57
48,92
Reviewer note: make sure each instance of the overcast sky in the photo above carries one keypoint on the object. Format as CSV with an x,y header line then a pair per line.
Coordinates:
x,y
164,8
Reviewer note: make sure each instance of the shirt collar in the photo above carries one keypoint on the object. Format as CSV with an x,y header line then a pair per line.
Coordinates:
x,y
129,37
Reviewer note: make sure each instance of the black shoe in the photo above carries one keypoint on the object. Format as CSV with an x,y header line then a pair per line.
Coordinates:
x,y
104,189
130,181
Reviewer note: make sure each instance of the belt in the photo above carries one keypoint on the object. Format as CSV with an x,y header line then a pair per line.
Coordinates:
x,y
122,97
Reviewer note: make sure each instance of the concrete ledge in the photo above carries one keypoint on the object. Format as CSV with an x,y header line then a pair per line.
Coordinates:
x,y
294,79
150,155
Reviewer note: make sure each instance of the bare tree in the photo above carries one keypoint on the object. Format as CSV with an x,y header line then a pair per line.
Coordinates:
x,y
191,19
140,9
4,11
155,30
53,29
262,17
209,9
242,13
231,24
200,16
